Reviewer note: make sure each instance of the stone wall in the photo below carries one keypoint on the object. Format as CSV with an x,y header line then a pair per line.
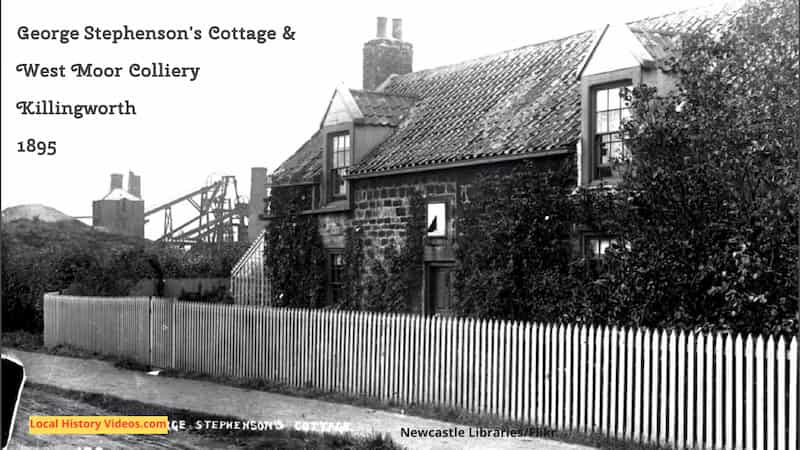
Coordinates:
x,y
382,207
332,228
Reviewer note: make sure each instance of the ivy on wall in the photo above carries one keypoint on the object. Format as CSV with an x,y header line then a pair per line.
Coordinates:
x,y
352,289
295,258
394,282
512,245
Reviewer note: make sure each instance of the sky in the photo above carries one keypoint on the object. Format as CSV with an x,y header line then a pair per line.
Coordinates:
x,y
252,105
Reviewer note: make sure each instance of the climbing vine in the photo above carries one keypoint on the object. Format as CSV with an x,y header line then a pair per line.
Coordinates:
x,y
294,254
394,282
352,289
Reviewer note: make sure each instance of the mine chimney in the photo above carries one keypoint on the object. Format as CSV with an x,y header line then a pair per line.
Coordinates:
x,y
116,181
134,184
258,198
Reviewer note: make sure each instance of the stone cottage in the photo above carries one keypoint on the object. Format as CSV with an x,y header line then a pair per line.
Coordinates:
x,y
432,131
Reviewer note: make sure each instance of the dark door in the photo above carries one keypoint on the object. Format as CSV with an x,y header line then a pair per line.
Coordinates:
x,y
440,290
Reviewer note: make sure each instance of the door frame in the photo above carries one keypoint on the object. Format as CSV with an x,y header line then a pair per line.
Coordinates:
x,y
427,300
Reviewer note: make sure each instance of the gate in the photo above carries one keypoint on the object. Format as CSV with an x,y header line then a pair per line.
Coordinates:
x,y
162,332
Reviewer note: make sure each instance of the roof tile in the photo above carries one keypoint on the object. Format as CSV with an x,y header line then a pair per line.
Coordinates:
x,y
520,101
380,108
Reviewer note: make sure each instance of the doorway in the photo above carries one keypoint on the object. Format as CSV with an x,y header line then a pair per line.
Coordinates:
x,y
439,289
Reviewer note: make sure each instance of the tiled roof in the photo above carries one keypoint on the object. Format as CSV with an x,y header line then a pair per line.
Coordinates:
x,y
380,108
697,20
303,166
660,35
520,101
120,194
658,44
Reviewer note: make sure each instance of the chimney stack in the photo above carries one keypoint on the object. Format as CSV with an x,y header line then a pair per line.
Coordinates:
x,y
258,199
381,28
385,56
134,184
397,29
116,181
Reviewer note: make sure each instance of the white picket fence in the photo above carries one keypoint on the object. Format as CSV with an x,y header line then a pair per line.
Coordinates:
x,y
678,389
111,326
249,283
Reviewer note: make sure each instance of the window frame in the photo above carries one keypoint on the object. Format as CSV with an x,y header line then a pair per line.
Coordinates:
x,y
337,172
444,206
335,286
593,138
585,247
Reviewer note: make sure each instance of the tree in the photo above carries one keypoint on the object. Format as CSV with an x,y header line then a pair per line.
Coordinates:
x,y
712,200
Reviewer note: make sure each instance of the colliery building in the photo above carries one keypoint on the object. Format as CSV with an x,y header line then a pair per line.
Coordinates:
x,y
121,211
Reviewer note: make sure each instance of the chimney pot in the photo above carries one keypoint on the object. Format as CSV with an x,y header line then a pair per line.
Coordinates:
x,y
381,27
116,181
134,184
384,56
397,29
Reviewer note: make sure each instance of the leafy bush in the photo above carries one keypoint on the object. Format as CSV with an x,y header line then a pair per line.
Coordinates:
x,y
512,247
220,294
39,257
711,216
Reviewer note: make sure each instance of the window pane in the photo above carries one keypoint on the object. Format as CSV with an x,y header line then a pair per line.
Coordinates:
x,y
626,114
594,247
601,97
613,120
597,247
614,151
625,91
614,101
602,122
338,182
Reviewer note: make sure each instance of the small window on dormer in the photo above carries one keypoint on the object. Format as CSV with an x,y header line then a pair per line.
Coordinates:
x,y
611,109
340,163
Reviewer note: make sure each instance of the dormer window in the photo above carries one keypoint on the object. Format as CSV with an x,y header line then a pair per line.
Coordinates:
x,y
611,109
340,163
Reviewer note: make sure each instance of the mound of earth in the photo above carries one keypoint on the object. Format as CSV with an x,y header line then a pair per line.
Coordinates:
x,y
36,211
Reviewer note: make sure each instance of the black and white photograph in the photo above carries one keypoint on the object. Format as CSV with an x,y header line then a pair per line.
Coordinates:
x,y
400,225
